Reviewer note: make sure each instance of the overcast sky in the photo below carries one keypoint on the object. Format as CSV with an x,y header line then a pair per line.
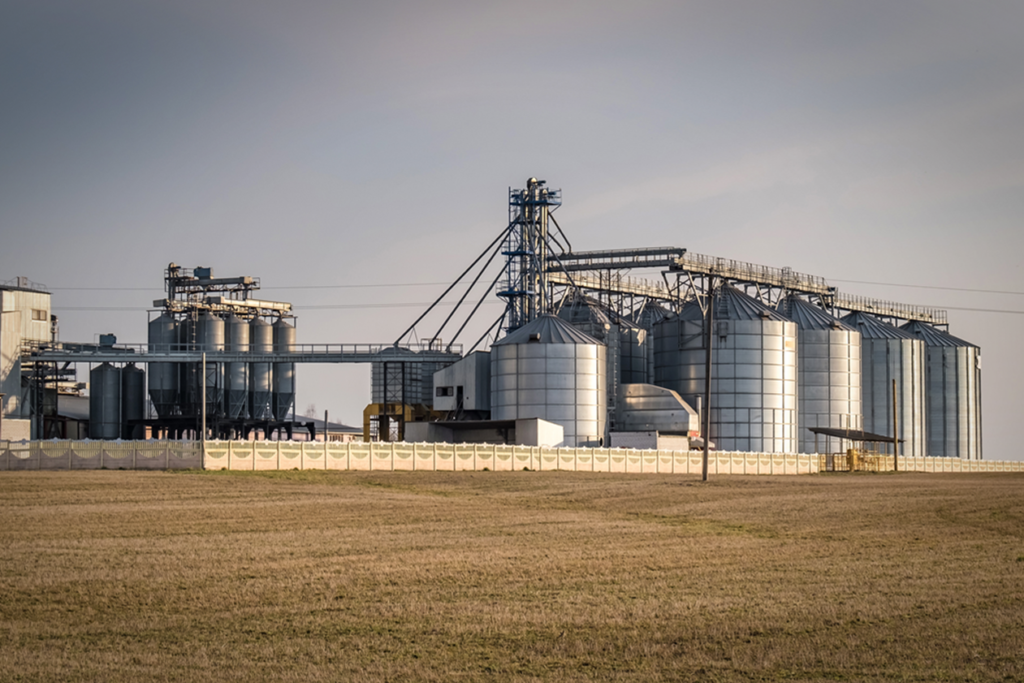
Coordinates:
x,y
314,144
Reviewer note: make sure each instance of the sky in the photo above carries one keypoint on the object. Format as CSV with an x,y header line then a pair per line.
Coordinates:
x,y
354,155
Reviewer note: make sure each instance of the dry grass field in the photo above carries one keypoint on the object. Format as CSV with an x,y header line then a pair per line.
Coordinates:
x,y
344,576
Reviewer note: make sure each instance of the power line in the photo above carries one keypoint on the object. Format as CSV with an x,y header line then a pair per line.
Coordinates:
x,y
979,310
154,289
951,289
446,303
298,308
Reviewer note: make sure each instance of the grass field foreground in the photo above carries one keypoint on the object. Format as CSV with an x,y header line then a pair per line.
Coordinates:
x,y
322,576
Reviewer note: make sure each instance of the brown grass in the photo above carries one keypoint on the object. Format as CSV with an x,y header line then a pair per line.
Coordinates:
x,y
510,576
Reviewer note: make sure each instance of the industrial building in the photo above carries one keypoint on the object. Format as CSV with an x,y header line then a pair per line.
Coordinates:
x,y
24,318
654,347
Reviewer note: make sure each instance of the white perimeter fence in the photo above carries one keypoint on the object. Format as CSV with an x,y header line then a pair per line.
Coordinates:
x,y
288,455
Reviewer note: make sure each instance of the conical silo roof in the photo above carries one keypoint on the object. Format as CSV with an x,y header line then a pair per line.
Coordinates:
x,y
807,316
932,336
732,304
548,329
871,327
651,315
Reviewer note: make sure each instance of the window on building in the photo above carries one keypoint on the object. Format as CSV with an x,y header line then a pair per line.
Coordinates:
x,y
39,314
445,391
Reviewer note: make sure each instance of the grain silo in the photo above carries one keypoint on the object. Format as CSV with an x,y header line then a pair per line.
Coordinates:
x,y
133,401
753,375
105,402
828,375
284,373
646,319
952,375
236,375
549,369
887,354
163,377
633,353
210,339
586,315
261,342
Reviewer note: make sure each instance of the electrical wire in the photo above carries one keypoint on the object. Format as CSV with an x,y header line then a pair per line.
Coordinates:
x,y
154,289
951,289
297,308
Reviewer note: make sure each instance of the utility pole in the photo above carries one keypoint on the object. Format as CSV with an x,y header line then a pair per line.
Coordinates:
x,y
709,321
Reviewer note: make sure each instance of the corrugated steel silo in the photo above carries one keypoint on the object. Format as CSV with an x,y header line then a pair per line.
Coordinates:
x,y
651,315
133,401
236,375
105,402
753,376
163,377
633,353
828,375
586,315
210,338
284,373
549,369
888,353
188,373
952,374
261,341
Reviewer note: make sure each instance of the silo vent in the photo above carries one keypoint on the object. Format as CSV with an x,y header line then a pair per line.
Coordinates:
x,y
535,337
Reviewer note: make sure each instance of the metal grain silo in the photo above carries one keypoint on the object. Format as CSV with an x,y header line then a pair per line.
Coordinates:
x,y
646,319
105,402
163,377
236,375
888,353
133,401
633,353
188,373
952,373
210,338
261,341
753,376
586,315
549,369
828,375
284,373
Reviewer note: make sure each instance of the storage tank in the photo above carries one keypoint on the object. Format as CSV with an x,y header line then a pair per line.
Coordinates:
x,y
163,377
133,401
827,377
633,353
646,319
753,376
236,375
952,373
284,373
105,402
210,338
188,373
586,315
888,353
261,341
549,369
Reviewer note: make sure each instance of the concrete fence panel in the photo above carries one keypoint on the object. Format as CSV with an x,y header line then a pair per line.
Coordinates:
x,y
284,455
